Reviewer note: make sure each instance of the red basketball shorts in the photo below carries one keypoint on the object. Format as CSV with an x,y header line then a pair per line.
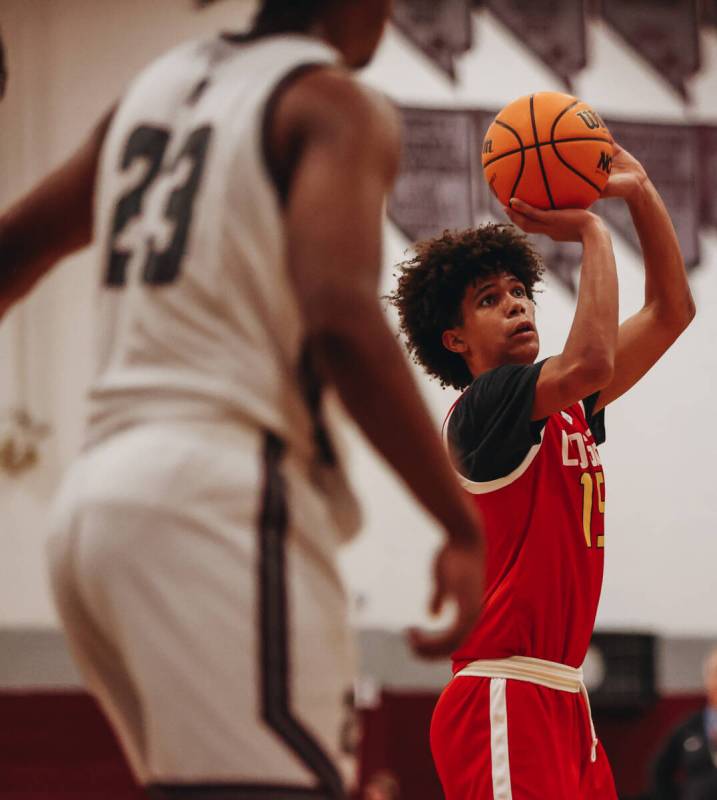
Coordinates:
x,y
503,739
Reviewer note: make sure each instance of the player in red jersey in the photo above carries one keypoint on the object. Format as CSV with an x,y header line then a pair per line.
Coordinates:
x,y
514,723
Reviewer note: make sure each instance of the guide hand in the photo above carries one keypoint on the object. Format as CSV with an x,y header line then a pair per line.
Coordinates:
x,y
627,175
561,225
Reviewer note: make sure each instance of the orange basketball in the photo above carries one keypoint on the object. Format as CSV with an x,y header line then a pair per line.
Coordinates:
x,y
550,150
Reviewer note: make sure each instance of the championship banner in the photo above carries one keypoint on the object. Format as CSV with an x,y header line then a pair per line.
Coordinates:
x,y
707,138
434,187
671,157
485,203
554,30
664,33
441,29
562,259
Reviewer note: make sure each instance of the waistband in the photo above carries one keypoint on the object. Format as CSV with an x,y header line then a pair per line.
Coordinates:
x,y
550,674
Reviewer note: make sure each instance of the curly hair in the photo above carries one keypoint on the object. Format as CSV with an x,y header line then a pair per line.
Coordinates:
x,y
432,284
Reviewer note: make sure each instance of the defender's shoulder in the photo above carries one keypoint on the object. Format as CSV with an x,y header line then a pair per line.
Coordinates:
x,y
331,98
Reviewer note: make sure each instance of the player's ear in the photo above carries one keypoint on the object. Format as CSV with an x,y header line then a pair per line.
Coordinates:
x,y
452,341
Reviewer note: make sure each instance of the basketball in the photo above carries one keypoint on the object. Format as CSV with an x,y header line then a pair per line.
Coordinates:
x,y
550,150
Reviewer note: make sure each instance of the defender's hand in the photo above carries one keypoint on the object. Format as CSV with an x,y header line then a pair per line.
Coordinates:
x,y
562,225
627,176
458,576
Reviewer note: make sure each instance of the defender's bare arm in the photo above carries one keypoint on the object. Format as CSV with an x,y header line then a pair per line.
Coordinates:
x,y
53,220
348,148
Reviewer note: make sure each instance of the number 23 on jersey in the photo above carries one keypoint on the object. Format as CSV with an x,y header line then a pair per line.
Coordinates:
x,y
151,220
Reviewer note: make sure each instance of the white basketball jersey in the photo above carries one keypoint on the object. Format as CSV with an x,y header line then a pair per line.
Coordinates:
x,y
197,315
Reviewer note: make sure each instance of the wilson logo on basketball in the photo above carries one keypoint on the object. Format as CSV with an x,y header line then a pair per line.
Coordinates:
x,y
605,163
591,120
488,146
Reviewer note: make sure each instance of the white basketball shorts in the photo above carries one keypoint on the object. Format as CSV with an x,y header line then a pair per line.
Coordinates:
x,y
193,566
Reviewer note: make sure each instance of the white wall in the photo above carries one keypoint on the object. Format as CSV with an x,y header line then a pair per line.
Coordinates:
x,y
71,59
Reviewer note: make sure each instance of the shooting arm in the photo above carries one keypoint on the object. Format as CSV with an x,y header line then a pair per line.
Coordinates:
x,y
586,363
668,307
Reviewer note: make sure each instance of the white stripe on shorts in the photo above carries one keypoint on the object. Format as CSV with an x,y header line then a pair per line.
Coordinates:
x,y
500,762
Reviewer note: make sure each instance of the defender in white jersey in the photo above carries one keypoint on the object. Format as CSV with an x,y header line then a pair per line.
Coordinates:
x,y
235,196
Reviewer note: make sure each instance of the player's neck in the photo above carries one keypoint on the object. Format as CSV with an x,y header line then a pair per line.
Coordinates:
x,y
264,32
321,30
477,366
479,361
264,28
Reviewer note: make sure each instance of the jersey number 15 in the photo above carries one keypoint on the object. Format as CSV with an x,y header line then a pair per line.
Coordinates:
x,y
593,484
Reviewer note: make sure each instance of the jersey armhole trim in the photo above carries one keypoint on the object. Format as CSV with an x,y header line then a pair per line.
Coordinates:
x,y
275,179
485,487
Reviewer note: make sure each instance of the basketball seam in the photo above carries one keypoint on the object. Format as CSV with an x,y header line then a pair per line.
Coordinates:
x,y
572,169
542,144
521,151
537,150
559,117
554,143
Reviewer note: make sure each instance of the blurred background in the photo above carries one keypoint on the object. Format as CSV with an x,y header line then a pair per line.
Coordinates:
x,y
649,67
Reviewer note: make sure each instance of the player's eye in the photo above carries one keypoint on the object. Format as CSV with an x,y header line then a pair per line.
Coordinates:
x,y
519,291
486,300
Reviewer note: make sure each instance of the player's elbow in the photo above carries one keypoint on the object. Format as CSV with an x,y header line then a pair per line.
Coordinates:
x,y
683,315
345,337
676,318
689,312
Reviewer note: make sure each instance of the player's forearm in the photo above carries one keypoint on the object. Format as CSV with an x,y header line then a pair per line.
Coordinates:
x,y
592,341
372,377
9,267
50,222
667,290
36,232
23,260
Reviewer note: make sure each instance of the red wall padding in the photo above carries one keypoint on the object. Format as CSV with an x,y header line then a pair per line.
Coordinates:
x,y
395,737
58,746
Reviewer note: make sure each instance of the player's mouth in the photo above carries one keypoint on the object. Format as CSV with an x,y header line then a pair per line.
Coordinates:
x,y
523,329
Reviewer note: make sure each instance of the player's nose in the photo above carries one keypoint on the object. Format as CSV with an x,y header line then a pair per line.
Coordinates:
x,y
515,305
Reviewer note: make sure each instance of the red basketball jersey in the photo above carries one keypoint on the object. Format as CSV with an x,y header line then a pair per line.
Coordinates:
x,y
545,535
